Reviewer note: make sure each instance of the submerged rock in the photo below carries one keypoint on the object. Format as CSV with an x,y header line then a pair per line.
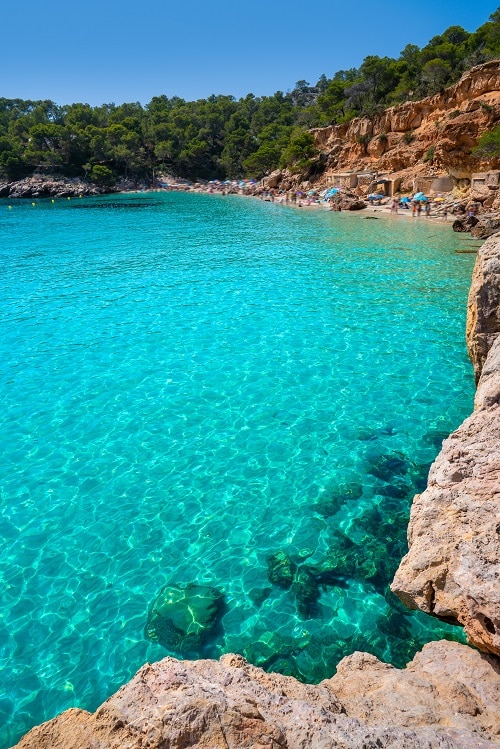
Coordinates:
x,y
306,591
259,595
183,618
281,569
331,501
385,467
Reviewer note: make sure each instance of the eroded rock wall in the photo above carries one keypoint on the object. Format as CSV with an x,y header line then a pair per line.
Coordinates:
x,y
452,569
483,312
399,138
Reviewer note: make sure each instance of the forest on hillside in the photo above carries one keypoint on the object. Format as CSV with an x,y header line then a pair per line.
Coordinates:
x,y
223,137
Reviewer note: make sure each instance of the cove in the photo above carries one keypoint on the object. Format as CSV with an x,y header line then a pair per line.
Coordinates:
x,y
218,391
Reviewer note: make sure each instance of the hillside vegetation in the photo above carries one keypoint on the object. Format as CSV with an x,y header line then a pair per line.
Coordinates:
x,y
221,136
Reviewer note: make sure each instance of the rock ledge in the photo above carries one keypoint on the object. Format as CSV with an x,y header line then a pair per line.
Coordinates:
x,y
452,569
447,697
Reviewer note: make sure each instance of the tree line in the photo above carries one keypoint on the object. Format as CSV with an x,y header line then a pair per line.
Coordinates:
x,y
224,137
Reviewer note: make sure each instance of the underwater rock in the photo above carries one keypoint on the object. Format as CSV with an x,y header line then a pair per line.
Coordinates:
x,y
272,648
435,437
332,501
306,591
394,491
281,569
259,595
386,466
373,434
182,618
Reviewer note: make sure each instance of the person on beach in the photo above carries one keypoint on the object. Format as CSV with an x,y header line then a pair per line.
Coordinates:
x,y
414,209
427,209
419,209
445,213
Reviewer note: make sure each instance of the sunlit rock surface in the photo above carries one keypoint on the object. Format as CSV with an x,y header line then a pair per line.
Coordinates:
x,y
447,697
452,569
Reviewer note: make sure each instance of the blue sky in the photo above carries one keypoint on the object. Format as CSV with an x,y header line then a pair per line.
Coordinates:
x,y
102,51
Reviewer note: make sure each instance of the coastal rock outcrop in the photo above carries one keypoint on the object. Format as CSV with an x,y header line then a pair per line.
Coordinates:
x,y
452,569
447,697
41,186
483,312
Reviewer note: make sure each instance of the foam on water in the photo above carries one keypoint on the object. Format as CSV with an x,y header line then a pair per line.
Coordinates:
x,y
186,381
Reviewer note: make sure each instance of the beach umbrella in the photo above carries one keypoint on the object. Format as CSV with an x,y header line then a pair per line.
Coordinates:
x,y
420,196
332,191
405,200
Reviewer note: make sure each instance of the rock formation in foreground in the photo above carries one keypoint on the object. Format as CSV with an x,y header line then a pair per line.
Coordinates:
x,y
452,569
447,697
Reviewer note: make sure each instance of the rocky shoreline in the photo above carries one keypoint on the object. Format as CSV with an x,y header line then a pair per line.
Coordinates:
x,y
447,697
42,186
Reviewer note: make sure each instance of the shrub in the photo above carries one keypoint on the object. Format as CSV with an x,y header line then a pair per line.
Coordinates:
x,y
363,139
429,156
408,137
488,145
487,108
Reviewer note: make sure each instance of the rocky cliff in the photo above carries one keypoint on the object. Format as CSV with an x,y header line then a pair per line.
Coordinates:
x,y
452,569
430,136
447,697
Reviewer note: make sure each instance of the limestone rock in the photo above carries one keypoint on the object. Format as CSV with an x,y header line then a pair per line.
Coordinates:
x,y
41,186
483,313
347,201
446,698
464,224
452,569
488,390
485,228
450,122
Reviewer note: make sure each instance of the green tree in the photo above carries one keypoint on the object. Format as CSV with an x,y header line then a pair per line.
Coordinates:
x,y
300,151
435,73
102,175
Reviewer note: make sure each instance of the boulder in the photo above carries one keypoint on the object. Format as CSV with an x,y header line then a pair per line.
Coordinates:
x,y
347,202
485,228
464,224
183,618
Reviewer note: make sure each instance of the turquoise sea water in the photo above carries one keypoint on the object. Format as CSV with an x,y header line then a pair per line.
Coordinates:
x,y
186,381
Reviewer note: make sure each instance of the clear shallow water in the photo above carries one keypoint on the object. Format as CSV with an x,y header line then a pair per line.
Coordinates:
x,y
185,381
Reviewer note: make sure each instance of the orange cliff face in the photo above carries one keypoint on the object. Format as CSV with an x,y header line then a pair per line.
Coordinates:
x,y
432,136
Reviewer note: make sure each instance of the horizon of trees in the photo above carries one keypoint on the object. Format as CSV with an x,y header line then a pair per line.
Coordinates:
x,y
221,137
